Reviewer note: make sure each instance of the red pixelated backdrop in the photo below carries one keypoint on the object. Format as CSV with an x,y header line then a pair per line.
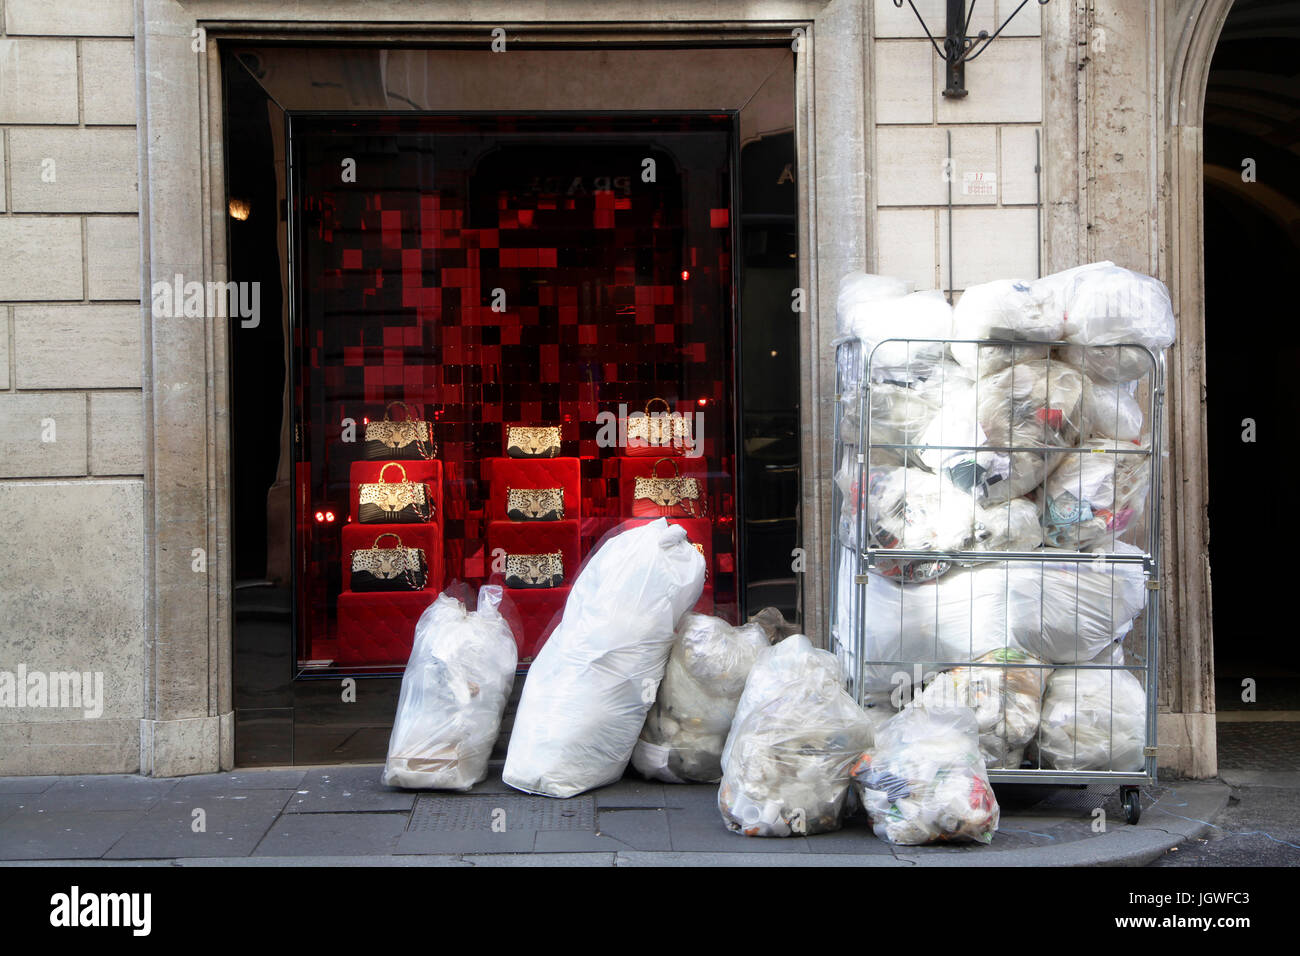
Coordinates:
x,y
505,270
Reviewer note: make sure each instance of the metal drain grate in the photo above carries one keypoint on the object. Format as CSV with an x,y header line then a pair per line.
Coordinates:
x,y
475,812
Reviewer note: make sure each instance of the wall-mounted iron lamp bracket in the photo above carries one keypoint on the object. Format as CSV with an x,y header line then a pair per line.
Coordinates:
x,y
958,48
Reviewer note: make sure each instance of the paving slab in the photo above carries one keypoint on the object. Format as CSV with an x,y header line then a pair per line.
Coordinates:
x,y
793,859
233,823
693,831
630,792
42,835
109,792
348,788
855,838
466,841
11,803
333,834
27,784
543,859
240,780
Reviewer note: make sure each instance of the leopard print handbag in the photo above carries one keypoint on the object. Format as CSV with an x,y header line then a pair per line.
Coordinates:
x,y
533,442
389,569
390,502
655,496
408,440
535,504
535,570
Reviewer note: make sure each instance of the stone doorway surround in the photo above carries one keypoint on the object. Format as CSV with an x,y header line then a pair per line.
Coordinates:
x,y
188,720
1187,718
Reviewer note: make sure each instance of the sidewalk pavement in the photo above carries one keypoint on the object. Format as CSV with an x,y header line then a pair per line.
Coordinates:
x,y
343,815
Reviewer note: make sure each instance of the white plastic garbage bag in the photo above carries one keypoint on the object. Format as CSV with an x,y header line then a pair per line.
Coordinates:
x,y
910,629
588,691
796,733
1012,525
1066,612
1005,690
921,315
915,510
1108,305
454,690
893,507
859,288
1028,405
1093,720
1096,498
924,780
1057,285
688,723
1004,309
1110,411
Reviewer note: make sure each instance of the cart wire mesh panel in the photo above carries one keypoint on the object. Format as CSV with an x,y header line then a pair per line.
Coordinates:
x,y
996,543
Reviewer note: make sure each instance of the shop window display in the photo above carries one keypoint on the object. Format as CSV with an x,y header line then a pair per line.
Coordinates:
x,y
484,310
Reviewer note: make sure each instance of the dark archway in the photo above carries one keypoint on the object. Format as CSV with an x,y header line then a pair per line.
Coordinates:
x,y
1252,251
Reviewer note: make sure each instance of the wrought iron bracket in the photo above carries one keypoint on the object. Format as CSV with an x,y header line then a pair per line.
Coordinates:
x,y
959,48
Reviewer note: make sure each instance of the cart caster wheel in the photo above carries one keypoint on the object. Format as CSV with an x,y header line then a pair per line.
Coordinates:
x,y
1132,805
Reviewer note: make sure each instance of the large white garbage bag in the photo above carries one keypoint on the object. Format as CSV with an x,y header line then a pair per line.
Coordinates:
x,y
1059,284
1067,612
899,501
1110,411
859,288
912,628
1005,690
454,690
901,412
796,733
921,315
687,725
588,691
1005,309
1109,305
1093,720
924,780
1027,405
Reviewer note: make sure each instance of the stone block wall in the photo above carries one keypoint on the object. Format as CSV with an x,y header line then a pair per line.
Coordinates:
x,y
995,222
71,377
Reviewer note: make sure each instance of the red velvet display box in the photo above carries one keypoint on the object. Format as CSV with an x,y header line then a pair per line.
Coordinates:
x,y
698,531
379,628
533,614
365,472
534,537
630,469
507,473
538,609
428,537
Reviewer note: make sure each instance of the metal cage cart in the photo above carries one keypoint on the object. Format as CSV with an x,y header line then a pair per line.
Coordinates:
x,y
997,521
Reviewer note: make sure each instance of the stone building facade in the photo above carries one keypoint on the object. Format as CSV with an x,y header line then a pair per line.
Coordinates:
x,y
1079,140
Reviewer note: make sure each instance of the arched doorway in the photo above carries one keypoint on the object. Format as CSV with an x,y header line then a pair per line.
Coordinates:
x,y
1251,131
